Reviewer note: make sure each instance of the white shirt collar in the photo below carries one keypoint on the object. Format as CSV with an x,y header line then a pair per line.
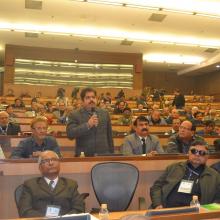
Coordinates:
x,y
142,138
54,183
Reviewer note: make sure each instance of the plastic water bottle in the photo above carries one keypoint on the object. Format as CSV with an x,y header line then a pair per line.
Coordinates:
x,y
103,213
195,202
82,154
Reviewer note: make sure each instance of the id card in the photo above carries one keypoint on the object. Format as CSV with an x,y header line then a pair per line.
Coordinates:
x,y
52,211
186,186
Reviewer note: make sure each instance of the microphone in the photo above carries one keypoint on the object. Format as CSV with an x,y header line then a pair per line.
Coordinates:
x,y
93,111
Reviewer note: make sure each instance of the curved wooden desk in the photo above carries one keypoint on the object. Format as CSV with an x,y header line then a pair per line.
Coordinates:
x,y
14,172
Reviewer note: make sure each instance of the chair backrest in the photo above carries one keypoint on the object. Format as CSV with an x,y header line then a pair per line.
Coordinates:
x,y
17,195
114,183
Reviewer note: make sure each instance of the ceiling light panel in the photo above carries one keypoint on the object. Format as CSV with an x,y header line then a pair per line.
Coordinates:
x,y
192,7
117,34
172,58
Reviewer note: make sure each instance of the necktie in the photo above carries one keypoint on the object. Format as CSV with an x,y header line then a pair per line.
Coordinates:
x,y
143,146
51,185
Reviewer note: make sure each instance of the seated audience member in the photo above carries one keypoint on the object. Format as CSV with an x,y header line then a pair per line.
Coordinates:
x,y
50,189
209,129
155,118
190,116
42,112
187,112
140,109
141,100
18,104
49,107
61,112
108,97
166,113
197,119
25,95
180,142
12,116
182,180
7,127
217,129
216,144
10,93
207,109
141,141
175,127
38,142
213,116
126,118
119,107
33,110
174,115
61,96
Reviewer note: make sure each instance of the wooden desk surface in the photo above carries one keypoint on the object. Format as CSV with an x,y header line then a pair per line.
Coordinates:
x,y
203,214
14,172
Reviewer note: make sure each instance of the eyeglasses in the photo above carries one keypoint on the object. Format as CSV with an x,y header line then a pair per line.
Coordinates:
x,y
47,161
198,152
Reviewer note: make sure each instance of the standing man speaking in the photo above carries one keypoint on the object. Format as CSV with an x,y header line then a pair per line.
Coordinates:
x,y
90,126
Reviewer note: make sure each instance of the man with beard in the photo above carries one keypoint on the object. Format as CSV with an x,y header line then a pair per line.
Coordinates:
x,y
141,142
50,190
90,126
156,119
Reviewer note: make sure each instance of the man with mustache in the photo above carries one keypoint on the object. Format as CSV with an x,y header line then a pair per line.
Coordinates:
x,y
90,126
181,180
141,142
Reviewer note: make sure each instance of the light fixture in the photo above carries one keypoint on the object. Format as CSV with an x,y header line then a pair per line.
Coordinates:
x,y
113,34
217,66
172,58
39,72
191,7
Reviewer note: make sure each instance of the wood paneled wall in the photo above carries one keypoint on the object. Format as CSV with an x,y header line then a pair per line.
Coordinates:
x,y
66,55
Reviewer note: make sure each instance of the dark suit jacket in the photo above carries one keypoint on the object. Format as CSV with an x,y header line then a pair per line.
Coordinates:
x,y
37,195
13,129
94,140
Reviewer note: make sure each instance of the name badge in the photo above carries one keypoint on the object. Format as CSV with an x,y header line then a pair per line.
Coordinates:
x,y
186,186
52,211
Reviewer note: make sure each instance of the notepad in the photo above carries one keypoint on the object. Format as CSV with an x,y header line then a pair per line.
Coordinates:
x,y
211,207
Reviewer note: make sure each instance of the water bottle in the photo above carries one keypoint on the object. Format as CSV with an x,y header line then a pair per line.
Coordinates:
x,y
103,213
82,154
195,202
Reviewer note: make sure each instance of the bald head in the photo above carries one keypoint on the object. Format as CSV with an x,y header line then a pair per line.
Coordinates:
x,y
186,130
4,118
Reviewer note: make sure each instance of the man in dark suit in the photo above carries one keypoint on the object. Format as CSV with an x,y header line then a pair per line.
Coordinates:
x,y
49,190
6,127
90,126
